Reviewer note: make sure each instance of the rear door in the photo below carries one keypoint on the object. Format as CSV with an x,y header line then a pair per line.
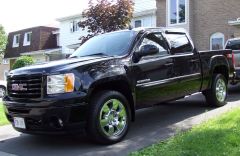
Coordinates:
x,y
187,65
153,73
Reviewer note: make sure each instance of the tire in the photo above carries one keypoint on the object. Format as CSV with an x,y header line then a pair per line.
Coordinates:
x,y
216,96
102,109
2,91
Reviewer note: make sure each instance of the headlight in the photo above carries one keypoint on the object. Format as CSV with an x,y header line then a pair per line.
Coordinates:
x,y
63,83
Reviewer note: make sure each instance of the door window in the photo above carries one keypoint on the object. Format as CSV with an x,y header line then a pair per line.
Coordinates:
x,y
179,43
157,40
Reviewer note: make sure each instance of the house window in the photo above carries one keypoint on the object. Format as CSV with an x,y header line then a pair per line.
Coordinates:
x,y
27,39
217,41
138,23
5,61
16,40
74,26
177,11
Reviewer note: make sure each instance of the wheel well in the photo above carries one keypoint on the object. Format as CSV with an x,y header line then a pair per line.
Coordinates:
x,y
222,70
120,86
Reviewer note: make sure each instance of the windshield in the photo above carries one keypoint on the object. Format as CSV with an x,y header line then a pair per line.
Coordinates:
x,y
111,44
234,45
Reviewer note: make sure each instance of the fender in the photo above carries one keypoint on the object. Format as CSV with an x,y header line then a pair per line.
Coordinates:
x,y
217,61
116,82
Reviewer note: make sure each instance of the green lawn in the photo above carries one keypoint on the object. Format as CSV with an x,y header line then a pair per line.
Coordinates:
x,y
3,120
217,137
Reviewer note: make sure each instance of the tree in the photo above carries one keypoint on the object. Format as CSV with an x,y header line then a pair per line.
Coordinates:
x,y
23,61
106,16
3,39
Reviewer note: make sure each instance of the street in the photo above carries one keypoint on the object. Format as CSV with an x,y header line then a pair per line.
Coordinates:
x,y
151,125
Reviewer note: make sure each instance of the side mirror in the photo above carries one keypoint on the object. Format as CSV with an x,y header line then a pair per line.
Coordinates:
x,y
148,50
145,50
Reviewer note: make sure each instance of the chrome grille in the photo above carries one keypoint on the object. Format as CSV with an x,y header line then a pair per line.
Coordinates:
x,y
30,86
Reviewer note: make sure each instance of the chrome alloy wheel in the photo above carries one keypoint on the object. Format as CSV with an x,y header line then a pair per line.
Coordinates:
x,y
113,118
221,90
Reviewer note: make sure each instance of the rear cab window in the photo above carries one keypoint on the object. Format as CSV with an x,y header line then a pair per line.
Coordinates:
x,y
233,45
179,43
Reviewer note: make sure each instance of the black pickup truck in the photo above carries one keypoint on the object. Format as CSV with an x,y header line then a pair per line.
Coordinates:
x,y
99,87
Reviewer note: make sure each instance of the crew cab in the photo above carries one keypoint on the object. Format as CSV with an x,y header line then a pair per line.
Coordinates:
x,y
234,45
101,85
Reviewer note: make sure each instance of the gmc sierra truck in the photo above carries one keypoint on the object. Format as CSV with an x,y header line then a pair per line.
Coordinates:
x,y
101,85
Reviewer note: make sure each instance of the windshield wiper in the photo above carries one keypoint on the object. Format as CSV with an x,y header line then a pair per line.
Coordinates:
x,y
97,54
73,57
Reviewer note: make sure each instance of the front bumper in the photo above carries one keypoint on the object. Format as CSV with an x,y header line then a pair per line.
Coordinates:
x,y
55,117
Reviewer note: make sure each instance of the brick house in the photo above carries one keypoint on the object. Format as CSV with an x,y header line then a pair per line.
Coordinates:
x,y
210,22
39,42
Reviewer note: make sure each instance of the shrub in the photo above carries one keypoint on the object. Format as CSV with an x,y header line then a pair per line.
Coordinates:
x,y
23,61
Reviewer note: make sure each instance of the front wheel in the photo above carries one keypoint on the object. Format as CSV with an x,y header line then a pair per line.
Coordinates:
x,y
109,117
217,94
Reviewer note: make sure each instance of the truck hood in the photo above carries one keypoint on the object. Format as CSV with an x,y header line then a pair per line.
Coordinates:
x,y
58,66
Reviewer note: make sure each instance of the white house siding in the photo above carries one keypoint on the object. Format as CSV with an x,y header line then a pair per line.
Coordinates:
x,y
4,69
144,10
67,37
143,5
147,20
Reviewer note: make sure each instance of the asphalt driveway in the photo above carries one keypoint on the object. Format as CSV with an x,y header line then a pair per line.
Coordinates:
x,y
152,125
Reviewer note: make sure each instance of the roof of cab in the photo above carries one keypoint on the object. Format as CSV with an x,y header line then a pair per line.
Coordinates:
x,y
233,39
153,29
161,29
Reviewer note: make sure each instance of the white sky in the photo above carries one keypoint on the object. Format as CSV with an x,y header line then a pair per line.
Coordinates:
x,y
21,14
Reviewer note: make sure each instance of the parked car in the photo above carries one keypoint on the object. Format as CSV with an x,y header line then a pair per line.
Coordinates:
x,y
99,88
3,86
234,45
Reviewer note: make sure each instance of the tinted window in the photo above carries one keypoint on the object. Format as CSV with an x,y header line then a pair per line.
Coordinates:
x,y
157,40
234,45
111,44
179,43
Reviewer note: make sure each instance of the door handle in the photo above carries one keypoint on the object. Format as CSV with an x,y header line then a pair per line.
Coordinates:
x,y
168,64
195,60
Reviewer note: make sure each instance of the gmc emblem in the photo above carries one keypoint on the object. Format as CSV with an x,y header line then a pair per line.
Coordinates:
x,y
19,87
